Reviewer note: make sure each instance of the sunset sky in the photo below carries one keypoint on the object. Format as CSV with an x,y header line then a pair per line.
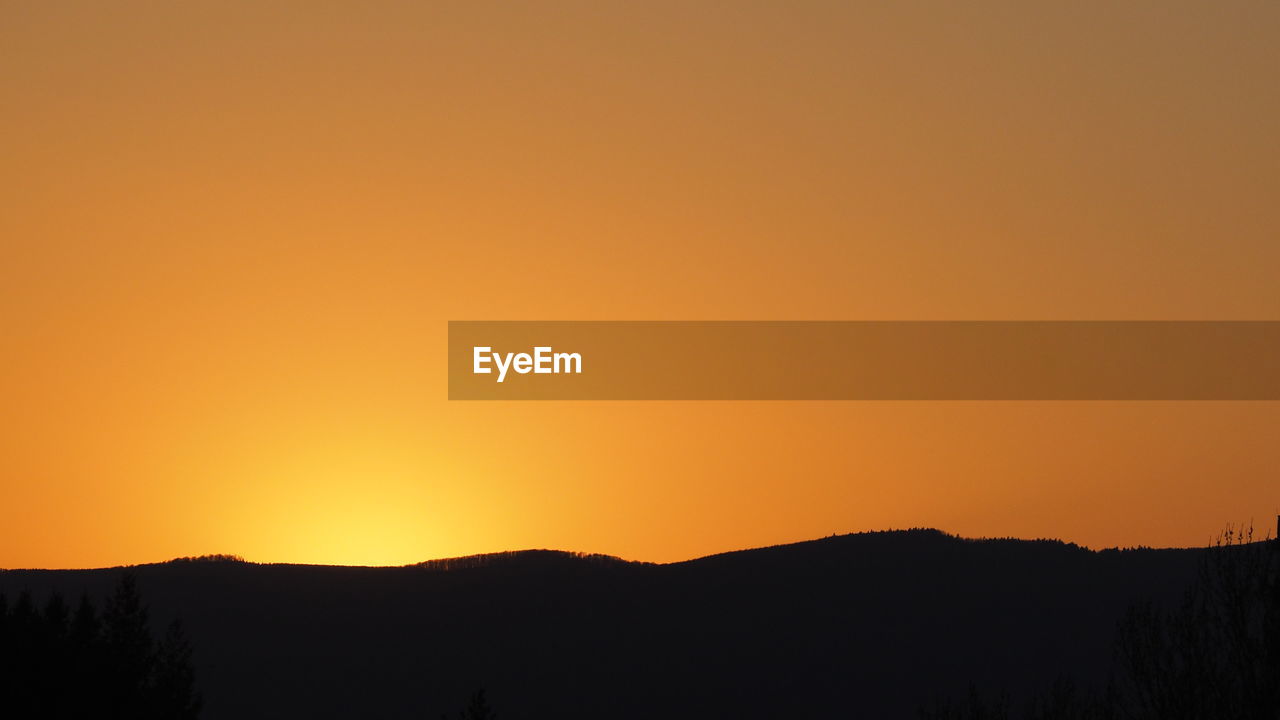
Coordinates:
x,y
232,234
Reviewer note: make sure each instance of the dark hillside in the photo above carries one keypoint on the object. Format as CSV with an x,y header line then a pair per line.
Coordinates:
x,y
869,625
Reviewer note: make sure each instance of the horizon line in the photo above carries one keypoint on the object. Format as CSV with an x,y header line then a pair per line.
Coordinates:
x,y
234,558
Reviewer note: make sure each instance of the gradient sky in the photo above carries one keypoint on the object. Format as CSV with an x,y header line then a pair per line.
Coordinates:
x,y
231,235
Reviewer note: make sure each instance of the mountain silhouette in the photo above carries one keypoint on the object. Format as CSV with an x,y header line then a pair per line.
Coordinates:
x,y
868,625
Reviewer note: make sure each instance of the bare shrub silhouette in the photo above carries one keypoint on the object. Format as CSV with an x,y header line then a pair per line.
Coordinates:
x,y
1215,655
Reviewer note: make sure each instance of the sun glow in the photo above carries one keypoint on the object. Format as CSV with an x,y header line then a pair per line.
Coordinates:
x,y
231,242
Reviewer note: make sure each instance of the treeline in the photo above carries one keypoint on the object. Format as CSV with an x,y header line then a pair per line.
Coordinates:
x,y
1216,655
511,557
84,662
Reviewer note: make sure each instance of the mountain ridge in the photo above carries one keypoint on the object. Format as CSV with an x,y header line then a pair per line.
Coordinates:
x,y
469,560
861,625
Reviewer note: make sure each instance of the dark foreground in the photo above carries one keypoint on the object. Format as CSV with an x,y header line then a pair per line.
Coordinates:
x,y
873,625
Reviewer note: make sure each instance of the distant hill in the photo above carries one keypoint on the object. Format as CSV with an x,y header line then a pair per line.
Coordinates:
x,y
871,625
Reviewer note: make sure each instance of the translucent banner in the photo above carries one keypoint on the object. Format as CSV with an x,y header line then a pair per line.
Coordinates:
x,y
560,360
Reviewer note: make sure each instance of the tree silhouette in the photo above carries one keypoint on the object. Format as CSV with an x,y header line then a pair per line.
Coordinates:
x,y
477,708
57,664
174,694
1217,655
127,635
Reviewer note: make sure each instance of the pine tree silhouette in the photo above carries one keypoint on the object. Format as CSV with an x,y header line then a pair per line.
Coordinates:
x,y
174,693
127,639
59,665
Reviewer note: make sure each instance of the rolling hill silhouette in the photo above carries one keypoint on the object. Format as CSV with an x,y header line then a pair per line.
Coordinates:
x,y
869,625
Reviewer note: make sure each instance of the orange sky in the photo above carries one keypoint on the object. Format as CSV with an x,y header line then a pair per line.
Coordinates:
x,y
231,235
